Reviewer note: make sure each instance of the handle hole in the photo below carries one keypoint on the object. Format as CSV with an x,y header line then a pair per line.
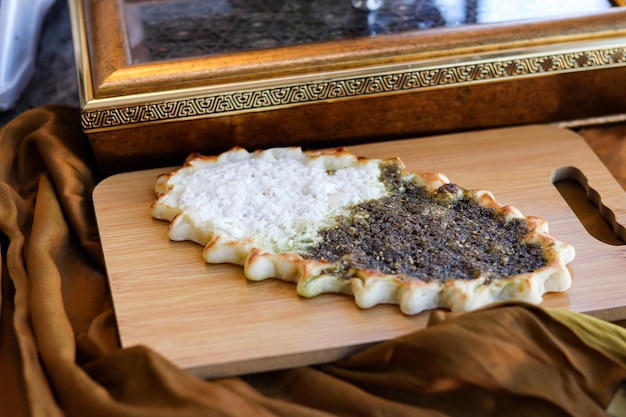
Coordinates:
x,y
585,202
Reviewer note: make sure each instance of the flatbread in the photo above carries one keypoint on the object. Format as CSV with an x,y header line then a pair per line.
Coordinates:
x,y
333,222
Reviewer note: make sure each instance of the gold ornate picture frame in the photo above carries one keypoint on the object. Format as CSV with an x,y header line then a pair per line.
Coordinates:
x,y
355,90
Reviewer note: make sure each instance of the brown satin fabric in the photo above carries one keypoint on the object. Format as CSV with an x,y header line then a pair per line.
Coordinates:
x,y
59,353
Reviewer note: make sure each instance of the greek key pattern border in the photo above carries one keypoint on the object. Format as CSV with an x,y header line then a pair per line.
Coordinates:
x,y
410,80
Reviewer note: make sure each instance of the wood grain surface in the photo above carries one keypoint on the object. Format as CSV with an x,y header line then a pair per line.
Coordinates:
x,y
210,320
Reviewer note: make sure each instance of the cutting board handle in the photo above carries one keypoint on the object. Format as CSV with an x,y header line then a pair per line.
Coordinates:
x,y
585,201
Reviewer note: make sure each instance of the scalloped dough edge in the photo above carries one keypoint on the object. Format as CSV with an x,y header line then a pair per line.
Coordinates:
x,y
371,288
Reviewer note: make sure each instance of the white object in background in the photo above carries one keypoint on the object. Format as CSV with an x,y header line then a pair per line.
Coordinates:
x,y
367,4
20,27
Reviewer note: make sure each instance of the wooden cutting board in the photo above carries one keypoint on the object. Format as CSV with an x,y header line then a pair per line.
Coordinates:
x,y
210,320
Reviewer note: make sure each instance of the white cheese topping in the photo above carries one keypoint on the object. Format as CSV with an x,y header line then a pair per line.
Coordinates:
x,y
281,206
